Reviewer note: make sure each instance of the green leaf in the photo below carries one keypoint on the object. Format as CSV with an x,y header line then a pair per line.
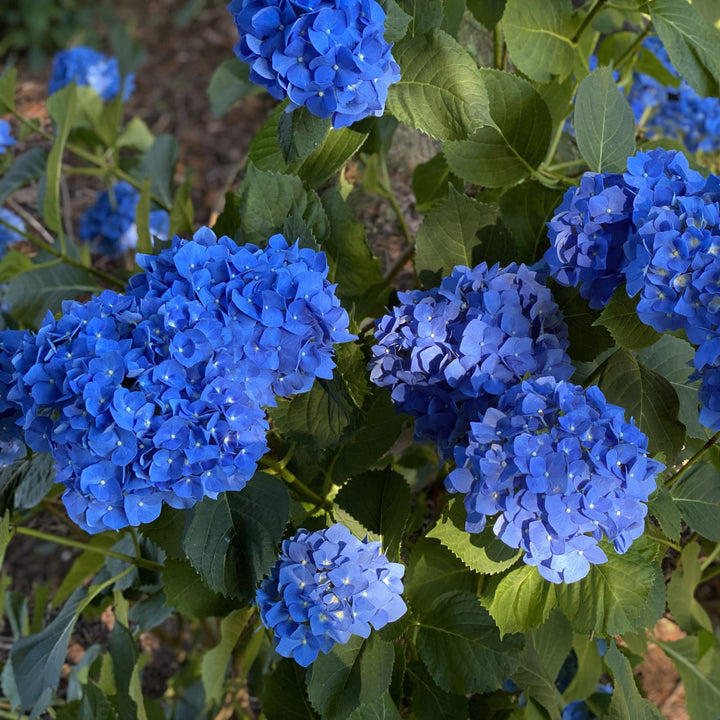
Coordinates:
x,y
448,234
356,673
38,479
432,571
230,82
339,146
627,703
6,534
380,501
94,705
520,600
142,219
441,91
611,598
663,508
232,541
461,646
692,44
647,397
158,163
61,107
700,674
509,149
525,209
214,663
268,199
622,322
482,552
604,123
182,212
381,709
32,294
487,12
429,701
430,182
686,610
538,37
14,264
285,695
27,167
589,669
167,531
672,357
137,135
189,594
697,494
534,679
265,153
124,655
396,21
424,15
7,90
300,132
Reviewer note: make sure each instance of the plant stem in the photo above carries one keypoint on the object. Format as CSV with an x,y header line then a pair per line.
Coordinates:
x,y
663,541
399,264
563,165
299,487
674,477
710,559
498,47
631,50
387,193
139,561
710,574
594,10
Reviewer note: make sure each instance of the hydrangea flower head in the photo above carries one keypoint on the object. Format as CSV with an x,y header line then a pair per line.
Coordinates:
x,y
12,445
327,55
325,587
86,66
11,227
275,311
447,354
6,138
108,226
559,467
130,422
587,234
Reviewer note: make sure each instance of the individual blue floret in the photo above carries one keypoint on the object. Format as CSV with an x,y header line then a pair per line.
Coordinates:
x,y
327,55
6,138
86,66
326,587
560,468
276,312
587,235
108,226
11,228
448,353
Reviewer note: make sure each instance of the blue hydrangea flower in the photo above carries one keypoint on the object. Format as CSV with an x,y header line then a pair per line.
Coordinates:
x,y
86,66
449,352
327,55
273,309
587,235
6,138
129,421
560,468
579,710
11,227
12,445
108,226
325,587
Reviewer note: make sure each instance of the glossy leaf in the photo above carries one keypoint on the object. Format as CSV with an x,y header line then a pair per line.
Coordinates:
x,y
697,494
622,322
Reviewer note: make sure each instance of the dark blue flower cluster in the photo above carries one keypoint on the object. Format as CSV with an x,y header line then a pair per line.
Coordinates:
x,y
108,226
449,352
12,445
587,235
86,66
328,55
677,113
325,587
11,227
6,138
560,468
579,710
156,396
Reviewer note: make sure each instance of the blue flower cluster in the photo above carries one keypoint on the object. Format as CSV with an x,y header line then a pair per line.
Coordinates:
x,y
579,710
587,236
325,587
327,55
12,445
108,226
668,112
560,468
449,352
11,227
156,395
6,138
86,66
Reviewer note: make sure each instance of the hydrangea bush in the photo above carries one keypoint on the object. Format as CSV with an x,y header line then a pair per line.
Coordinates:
x,y
466,482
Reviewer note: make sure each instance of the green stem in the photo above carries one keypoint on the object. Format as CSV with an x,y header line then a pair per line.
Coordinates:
x,y
498,47
564,165
711,574
387,193
63,257
594,10
299,487
399,264
674,477
710,559
139,561
660,540
632,48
